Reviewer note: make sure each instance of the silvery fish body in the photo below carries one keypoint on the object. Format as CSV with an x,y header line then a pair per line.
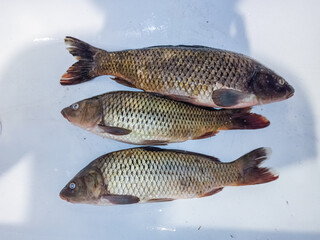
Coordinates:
x,y
196,74
152,174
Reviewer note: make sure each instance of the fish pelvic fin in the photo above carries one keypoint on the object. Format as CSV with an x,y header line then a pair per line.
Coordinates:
x,y
249,171
244,119
84,69
212,191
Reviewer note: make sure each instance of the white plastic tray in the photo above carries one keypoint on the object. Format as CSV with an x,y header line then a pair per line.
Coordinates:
x,y
40,151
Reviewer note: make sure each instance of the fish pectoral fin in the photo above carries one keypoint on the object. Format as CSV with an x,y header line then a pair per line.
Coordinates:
x,y
160,200
154,142
114,130
211,192
206,135
121,199
227,97
123,82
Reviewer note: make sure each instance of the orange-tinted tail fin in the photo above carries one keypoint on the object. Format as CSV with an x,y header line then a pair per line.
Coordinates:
x,y
83,70
250,172
243,119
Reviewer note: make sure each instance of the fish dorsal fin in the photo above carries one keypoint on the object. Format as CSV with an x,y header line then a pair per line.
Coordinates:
x,y
154,142
155,149
183,100
180,46
152,149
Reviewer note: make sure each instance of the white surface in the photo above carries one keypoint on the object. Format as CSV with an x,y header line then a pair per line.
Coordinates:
x,y
40,151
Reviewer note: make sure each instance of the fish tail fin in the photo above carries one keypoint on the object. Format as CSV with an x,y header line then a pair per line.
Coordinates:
x,y
244,119
250,172
84,69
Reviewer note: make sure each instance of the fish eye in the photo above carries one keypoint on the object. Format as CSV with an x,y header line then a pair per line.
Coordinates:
x,y
281,81
72,185
75,106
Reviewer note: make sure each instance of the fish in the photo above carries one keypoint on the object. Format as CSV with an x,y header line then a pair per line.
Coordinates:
x,y
150,174
196,74
151,119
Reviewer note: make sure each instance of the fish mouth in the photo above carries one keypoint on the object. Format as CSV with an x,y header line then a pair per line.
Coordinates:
x,y
291,92
64,114
63,197
290,95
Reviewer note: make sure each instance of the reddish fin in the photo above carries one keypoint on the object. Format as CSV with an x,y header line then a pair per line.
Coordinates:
x,y
123,82
243,119
211,192
160,200
121,199
250,172
83,70
206,135
114,130
154,142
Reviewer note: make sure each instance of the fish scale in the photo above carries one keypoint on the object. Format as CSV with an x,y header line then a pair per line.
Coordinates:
x,y
152,169
150,119
199,75
154,174
135,116
209,66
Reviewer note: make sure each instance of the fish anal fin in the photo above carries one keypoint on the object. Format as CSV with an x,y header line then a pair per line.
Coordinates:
x,y
121,199
228,97
181,46
160,200
211,192
123,82
114,130
206,135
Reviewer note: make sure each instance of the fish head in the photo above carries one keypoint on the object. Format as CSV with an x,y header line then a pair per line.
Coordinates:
x,y
86,187
269,87
85,114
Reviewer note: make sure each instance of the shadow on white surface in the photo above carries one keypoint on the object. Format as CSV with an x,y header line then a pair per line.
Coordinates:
x,y
33,128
